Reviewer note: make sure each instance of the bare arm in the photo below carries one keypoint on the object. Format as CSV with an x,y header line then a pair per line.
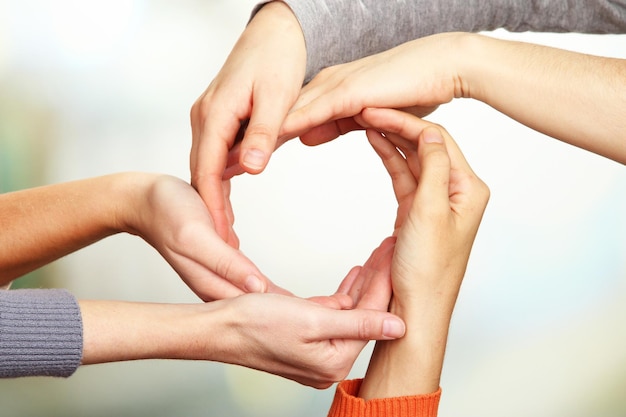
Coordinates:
x,y
314,342
577,98
42,224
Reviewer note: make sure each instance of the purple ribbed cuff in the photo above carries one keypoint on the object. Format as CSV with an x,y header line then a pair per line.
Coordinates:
x,y
40,333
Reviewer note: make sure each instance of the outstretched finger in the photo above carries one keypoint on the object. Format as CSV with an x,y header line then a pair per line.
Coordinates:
x,y
361,324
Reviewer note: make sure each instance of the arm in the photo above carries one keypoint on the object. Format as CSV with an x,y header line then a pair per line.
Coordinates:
x,y
440,205
261,78
312,342
339,31
287,336
577,98
42,224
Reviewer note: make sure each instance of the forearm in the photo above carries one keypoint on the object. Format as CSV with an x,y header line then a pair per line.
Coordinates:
x,y
338,31
577,98
410,365
45,223
121,331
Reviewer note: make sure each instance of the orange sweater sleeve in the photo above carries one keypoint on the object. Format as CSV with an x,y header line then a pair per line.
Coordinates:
x,y
347,404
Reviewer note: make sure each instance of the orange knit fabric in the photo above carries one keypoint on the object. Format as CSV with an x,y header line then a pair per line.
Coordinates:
x,y
346,404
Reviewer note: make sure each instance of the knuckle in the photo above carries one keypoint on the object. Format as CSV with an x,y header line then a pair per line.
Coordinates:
x,y
203,105
483,191
259,132
197,108
365,328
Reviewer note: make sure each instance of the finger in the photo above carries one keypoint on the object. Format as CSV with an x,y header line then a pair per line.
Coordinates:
x,y
232,163
329,131
230,264
233,239
320,111
433,193
395,122
372,288
400,128
208,159
261,135
203,282
336,301
402,179
361,324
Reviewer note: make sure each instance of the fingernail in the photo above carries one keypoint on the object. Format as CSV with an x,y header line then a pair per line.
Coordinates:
x,y
432,135
254,158
393,328
254,284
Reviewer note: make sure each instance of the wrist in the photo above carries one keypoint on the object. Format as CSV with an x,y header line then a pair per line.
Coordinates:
x,y
278,13
131,202
277,18
410,365
474,66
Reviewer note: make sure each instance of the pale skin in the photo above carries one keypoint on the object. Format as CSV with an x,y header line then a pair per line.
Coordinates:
x,y
45,223
533,84
577,98
312,341
441,202
259,82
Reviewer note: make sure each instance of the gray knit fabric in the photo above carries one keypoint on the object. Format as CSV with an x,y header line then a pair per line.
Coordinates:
x,y
338,31
40,333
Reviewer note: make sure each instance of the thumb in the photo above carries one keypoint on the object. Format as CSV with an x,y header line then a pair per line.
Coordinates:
x,y
359,324
433,187
261,135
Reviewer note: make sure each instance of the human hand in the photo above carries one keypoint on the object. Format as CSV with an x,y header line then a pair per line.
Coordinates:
x,y
440,199
440,205
170,215
259,81
316,343
418,75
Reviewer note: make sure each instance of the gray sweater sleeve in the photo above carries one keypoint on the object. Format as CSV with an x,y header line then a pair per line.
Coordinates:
x,y
40,333
338,31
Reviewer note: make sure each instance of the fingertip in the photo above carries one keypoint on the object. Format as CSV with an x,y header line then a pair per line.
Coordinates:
x,y
254,284
393,328
344,301
432,135
254,160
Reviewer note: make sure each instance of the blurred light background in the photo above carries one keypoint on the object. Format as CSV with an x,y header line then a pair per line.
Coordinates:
x,y
93,87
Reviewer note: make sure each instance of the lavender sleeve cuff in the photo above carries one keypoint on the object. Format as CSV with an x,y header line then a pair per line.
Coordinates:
x,y
40,333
